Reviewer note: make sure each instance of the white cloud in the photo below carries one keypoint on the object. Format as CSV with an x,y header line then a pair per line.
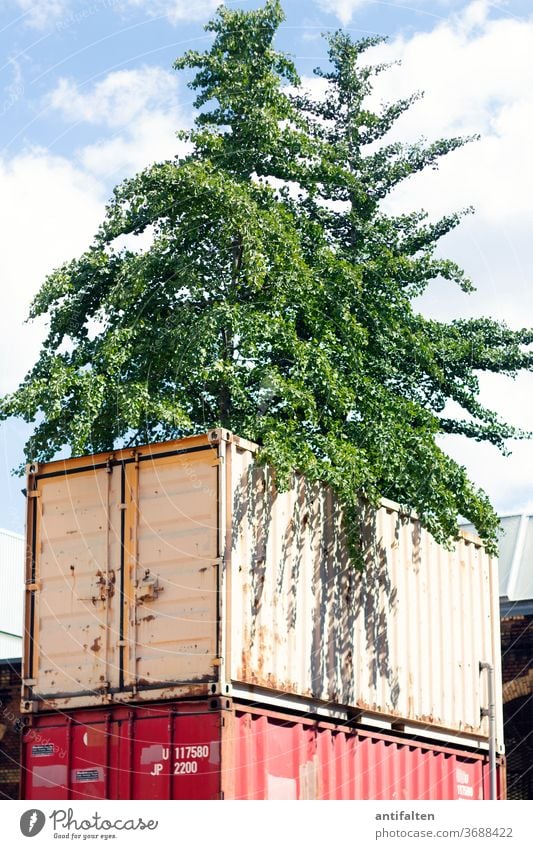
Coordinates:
x,y
478,78
345,9
141,107
152,139
52,206
117,99
49,212
176,10
475,81
42,13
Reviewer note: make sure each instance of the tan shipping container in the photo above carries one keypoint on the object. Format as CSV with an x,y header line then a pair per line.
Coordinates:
x,y
177,570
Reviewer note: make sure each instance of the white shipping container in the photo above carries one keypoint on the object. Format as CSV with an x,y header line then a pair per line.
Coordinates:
x,y
178,570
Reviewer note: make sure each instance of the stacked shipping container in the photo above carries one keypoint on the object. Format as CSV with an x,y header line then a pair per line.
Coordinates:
x,y
174,576
219,749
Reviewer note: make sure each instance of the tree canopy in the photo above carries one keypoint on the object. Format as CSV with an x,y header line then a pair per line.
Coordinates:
x,y
273,296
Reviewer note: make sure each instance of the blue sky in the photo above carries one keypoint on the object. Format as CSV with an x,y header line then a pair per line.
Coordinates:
x,y
87,97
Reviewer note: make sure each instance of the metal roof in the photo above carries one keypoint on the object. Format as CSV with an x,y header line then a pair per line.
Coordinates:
x,y
11,592
515,563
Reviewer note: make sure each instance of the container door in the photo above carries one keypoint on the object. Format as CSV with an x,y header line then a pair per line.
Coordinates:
x,y
173,757
171,545
45,765
72,591
159,753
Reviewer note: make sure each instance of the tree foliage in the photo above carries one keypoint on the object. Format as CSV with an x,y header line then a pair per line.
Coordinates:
x,y
274,296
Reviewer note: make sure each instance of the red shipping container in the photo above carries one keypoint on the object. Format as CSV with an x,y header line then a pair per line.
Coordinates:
x,y
219,749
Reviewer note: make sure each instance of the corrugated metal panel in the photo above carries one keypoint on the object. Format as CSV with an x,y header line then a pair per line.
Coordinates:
x,y
507,539
202,750
170,571
122,587
277,757
11,592
77,566
10,647
404,638
167,751
523,585
177,544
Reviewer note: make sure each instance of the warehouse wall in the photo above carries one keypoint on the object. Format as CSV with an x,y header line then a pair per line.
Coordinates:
x,y
517,672
10,729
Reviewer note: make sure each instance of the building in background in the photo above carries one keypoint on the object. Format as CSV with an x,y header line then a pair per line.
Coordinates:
x,y
11,625
516,611
516,606
10,728
11,593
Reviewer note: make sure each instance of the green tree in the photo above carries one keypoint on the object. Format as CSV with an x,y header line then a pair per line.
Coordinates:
x,y
275,297
411,367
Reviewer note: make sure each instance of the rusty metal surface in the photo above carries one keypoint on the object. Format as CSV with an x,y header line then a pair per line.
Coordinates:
x,y
173,623
77,566
404,638
196,749
282,757
166,751
124,586
162,573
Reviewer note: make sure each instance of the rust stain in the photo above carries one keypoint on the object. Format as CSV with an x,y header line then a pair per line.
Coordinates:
x,y
170,692
96,645
148,618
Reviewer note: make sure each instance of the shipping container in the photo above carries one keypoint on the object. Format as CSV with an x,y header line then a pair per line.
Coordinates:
x,y
177,570
220,749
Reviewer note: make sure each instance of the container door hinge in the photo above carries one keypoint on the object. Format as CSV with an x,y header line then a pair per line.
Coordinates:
x,y
34,493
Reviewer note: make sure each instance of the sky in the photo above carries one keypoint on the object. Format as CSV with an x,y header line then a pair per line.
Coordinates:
x,y
88,97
